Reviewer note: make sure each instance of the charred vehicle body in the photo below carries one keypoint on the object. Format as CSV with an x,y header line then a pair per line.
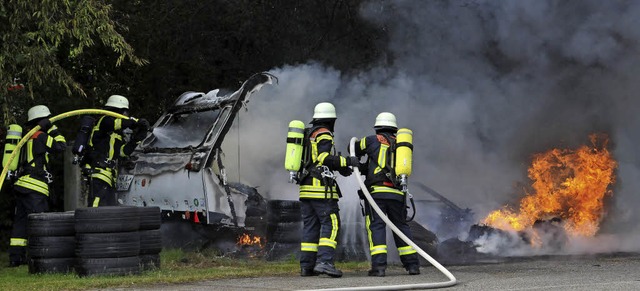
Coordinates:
x,y
179,166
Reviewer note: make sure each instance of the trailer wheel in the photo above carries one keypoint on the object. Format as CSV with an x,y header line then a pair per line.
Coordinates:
x,y
107,245
51,224
51,265
108,266
107,219
51,246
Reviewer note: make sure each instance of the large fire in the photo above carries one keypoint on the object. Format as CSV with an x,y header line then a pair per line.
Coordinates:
x,y
567,184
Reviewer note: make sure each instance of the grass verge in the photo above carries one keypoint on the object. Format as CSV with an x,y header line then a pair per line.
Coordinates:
x,y
177,266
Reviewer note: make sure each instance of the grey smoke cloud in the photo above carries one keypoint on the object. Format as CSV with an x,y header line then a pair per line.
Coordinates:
x,y
483,85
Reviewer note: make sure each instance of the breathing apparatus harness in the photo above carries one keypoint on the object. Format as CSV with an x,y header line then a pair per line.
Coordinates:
x,y
388,174
310,168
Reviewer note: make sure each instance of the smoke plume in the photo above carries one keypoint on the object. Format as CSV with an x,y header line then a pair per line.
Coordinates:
x,y
483,85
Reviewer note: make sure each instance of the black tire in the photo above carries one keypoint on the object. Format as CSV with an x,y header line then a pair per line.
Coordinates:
x,y
51,246
150,242
51,224
108,266
150,217
107,245
284,232
256,225
107,219
282,251
51,265
284,211
149,262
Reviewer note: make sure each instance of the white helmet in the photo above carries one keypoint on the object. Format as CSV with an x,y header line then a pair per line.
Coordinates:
x,y
38,111
324,110
117,101
386,119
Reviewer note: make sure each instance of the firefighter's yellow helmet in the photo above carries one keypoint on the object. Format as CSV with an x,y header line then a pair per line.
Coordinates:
x,y
38,111
324,110
386,119
117,101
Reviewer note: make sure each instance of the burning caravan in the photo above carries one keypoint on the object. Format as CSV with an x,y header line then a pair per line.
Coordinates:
x,y
179,167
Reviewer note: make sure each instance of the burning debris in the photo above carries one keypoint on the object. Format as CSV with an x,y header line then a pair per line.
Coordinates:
x,y
566,200
570,185
250,245
250,240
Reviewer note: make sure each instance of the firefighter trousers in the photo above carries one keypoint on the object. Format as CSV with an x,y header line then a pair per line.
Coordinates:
x,y
321,222
27,202
101,194
396,211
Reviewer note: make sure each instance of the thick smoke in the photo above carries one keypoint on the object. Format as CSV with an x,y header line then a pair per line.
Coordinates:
x,y
483,85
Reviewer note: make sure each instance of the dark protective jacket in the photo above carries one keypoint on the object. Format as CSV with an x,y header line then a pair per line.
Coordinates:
x,y
35,166
380,163
322,154
107,145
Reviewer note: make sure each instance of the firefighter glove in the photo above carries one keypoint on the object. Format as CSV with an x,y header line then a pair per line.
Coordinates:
x,y
143,124
352,161
346,171
363,168
139,134
45,124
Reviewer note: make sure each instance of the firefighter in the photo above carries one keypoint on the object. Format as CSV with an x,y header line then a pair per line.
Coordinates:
x,y
380,181
319,196
107,145
32,187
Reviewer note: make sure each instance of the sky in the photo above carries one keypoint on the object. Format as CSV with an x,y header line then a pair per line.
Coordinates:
x,y
484,85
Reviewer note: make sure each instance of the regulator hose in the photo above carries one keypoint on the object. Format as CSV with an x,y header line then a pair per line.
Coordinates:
x,y
452,280
53,119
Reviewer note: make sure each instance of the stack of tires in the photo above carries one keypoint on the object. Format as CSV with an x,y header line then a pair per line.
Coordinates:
x,y
107,240
51,242
150,237
284,229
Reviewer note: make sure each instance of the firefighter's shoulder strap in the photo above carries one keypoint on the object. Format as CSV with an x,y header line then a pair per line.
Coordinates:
x,y
24,157
307,159
387,170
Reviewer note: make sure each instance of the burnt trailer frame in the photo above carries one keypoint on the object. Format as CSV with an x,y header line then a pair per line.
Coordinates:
x,y
189,182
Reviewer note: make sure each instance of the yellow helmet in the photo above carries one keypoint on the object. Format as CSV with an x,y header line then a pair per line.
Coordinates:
x,y
386,119
38,111
324,110
117,101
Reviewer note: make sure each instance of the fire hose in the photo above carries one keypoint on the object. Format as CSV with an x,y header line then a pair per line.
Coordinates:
x,y
452,280
53,119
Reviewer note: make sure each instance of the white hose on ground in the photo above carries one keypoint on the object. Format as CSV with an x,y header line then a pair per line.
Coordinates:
x,y
452,280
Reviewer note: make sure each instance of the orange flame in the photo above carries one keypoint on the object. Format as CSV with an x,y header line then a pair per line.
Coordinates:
x,y
569,184
248,240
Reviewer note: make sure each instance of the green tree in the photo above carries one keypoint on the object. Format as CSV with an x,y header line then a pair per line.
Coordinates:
x,y
37,37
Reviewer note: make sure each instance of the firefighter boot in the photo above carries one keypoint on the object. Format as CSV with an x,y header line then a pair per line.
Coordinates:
x,y
307,272
376,271
17,260
414,270
327,268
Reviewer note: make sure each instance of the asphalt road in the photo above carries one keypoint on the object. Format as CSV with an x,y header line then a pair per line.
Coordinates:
x,y
601,272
